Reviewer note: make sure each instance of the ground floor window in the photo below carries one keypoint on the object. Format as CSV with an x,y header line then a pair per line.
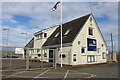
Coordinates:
x,y
103,55
91,58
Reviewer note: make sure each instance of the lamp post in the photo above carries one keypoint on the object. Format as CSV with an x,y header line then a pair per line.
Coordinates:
x,y
7,39
7,36
25,41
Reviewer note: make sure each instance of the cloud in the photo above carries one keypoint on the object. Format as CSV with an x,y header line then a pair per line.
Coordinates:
x,y
41,12
108,9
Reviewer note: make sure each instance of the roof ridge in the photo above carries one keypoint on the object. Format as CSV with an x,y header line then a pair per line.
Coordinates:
x,y
78,18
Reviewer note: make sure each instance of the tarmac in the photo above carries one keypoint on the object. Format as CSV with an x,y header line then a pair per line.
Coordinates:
x,y
91,72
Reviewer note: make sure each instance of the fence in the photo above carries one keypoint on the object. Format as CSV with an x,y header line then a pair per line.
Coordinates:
x,y
39,58
35,58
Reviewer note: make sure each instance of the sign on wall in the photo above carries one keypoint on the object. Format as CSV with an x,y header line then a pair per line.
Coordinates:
x,y
91,44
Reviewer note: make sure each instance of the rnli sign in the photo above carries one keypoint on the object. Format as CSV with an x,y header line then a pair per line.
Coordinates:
x,y
91,44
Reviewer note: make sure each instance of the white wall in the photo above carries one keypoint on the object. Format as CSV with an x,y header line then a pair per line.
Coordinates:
x,y
39,42
38,45
67,52
82,37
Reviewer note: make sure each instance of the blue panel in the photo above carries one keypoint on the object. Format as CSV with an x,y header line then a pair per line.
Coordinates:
x,y
91,44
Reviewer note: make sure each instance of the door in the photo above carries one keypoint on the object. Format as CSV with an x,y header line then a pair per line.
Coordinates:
x,y
50,55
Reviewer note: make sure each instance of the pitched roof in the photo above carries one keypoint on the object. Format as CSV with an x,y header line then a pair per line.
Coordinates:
x,y
74,26
30,43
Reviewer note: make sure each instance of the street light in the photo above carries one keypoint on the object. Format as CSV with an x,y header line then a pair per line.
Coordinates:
x,y
25,41
7,38
6,29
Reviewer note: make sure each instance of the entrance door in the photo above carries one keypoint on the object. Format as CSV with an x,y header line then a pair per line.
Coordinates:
x,y
50,55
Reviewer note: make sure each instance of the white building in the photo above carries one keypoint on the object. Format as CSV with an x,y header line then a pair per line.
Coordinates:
x,y
83,42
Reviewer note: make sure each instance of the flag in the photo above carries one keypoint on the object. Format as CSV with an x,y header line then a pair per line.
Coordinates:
x,y
55,7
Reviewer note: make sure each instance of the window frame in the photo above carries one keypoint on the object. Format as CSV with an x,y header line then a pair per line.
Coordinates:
x,y
78,42
90,31
82,50
91,58
45,35
103,55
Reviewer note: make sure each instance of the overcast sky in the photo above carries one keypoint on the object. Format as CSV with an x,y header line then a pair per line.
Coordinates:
x,y
31,17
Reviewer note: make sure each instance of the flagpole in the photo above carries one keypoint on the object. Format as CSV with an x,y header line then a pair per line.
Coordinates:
x,y
61,31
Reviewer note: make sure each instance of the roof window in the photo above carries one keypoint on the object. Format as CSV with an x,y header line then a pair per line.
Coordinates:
x,y
66,33
57,34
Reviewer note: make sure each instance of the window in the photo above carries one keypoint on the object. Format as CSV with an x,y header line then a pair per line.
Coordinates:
x,y
38,36
103,55
83,50
45,54
38,50
45,34
91,58
66,33
90,31
102,45
78,42
90,19
57,34
41,35
63,55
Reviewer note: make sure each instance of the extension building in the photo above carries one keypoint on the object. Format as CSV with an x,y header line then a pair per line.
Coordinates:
x,y
82,40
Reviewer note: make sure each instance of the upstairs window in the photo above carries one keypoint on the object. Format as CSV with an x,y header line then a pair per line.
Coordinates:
x,y
66,33
78,42
57,34
83,50
102,45
45,34
38,36
41,35
90,19
90,30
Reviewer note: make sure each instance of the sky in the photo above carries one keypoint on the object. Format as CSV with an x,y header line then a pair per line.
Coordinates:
x,y
30,17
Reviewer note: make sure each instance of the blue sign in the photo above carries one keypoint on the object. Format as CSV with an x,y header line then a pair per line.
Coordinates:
x,y
91,44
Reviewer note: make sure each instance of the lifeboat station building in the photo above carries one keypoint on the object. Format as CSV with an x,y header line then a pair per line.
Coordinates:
x,y
82,42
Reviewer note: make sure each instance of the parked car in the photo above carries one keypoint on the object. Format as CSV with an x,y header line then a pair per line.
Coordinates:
x,y
11,56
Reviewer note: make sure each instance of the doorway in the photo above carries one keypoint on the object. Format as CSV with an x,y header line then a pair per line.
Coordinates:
x,y
51,55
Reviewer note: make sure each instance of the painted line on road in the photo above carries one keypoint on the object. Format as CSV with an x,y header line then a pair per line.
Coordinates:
x,y
40,74
26,77
66,75
15,74
90,75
